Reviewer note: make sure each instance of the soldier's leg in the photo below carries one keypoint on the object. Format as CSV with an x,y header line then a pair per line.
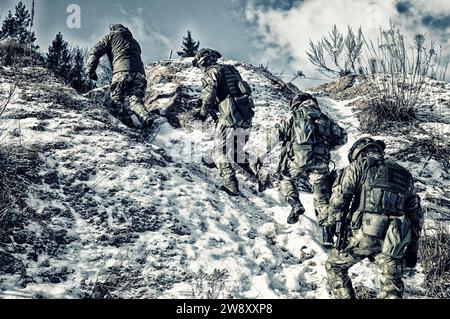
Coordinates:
x,y
136,91
241,157
337,267
289,189
391,281
321,182
360,246
118,91
222,155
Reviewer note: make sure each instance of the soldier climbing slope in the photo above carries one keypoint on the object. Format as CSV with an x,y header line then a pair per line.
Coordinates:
x,y
384,221
227,99
128,83
308,137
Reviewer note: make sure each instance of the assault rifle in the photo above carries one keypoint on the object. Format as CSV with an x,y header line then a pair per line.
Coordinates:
x,y
342,232
343,228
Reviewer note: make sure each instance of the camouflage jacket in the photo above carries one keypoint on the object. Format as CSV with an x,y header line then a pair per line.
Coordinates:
x,y
348,187
308,137
217,87
123,51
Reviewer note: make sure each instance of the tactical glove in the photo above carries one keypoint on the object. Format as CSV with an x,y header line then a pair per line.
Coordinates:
x,y
201,117
333,218
411,258
147,123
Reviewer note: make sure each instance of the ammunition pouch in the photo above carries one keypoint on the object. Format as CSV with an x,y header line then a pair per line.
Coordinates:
x,y
245,88
398,237
307,153
381,201
245,107
234,111
374,225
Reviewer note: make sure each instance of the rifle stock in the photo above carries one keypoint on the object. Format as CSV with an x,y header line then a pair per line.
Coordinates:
x,y
342,231
214,117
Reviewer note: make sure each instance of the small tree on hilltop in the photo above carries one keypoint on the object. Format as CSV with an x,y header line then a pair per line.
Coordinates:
x,y
17,27
189,46
9,28
78,78
59,58
23,23
342,51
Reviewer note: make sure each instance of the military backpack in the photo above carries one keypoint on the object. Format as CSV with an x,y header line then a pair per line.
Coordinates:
x,y
238,106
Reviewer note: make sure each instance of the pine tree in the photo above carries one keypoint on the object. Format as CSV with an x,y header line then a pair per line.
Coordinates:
x,y
189,47
77,77
9,27
59,58
23,22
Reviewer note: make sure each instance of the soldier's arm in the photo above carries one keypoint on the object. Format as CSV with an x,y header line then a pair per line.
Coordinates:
x,y
344,190
276,135
99,50
339,135
414,213
209,94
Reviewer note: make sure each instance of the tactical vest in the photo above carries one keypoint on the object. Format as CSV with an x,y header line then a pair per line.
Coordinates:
x,y
385,188
231,79
308,138
236,104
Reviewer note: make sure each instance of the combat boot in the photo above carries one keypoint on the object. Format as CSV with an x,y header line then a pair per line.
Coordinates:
x,y
296,212
264,182
327,237
208,161
231,186
249,172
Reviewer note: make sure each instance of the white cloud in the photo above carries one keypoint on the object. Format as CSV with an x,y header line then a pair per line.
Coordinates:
x,y
290,31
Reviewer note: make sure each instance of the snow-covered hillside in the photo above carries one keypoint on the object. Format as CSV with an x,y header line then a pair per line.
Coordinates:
x,y
111,214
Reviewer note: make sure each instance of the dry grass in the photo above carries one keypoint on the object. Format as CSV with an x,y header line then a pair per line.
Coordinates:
x,y
435,259
209,286
19,169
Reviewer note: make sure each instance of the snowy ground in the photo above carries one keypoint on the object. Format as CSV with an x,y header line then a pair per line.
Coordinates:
x,y
118,216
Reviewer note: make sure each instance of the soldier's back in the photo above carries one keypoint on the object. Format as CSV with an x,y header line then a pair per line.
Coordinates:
x,y
126,52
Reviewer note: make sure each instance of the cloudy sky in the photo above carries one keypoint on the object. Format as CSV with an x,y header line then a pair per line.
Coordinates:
x,y
257,31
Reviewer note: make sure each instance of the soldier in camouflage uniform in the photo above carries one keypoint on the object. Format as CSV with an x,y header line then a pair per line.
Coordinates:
x,y
385,221
308,137
128,82
227,99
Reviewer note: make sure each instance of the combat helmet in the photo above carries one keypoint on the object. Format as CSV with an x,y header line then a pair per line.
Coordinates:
x,y
205,58
300,99
365,144
117,27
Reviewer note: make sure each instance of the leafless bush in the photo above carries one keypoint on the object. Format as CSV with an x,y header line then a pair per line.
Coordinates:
x,y
365,293
209,286
9,95
401,72
19,169
435,258
344,52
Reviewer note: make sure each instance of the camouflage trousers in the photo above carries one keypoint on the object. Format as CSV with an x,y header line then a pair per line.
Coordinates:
x,y
388,253
318,177
128,93
229,150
